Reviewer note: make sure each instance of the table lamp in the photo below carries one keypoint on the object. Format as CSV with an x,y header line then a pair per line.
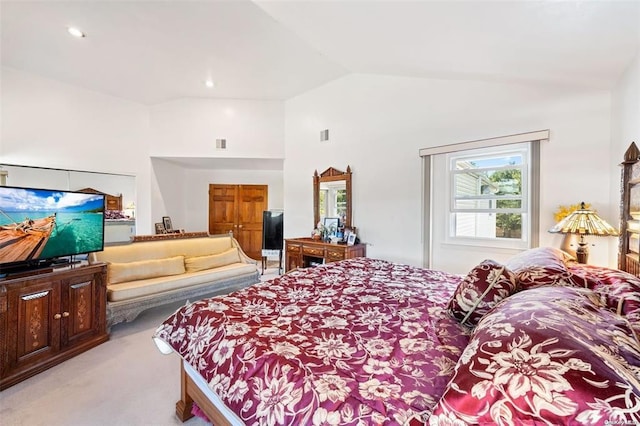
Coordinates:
x,y
584,222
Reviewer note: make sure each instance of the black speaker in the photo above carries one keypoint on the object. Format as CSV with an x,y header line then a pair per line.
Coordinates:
x,y
272,224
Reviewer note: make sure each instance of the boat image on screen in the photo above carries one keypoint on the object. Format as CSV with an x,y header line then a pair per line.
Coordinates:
x,y
44,224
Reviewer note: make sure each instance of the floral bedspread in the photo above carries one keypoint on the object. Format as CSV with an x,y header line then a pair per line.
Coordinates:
x,y
360,341
546,356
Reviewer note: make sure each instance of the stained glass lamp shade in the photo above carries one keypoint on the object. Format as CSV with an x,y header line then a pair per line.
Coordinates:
x,y
584,222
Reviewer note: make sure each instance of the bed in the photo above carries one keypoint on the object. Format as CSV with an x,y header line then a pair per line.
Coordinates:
x,y
537,340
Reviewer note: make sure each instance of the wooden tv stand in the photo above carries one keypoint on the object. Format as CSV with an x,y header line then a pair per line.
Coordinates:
x,y
305,252
47,318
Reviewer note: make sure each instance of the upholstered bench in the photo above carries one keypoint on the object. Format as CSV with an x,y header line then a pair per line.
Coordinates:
x,y
142,275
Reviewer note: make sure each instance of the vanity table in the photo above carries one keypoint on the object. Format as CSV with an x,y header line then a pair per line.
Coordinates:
x,y
331,199
305,252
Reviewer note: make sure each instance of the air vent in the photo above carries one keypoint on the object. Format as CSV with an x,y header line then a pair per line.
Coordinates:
x,y
221,143
324,135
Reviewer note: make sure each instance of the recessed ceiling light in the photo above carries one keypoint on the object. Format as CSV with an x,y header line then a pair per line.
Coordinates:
x,y
75,32
209,84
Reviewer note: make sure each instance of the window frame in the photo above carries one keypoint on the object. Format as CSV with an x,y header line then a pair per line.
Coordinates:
x,y
534,138
525,241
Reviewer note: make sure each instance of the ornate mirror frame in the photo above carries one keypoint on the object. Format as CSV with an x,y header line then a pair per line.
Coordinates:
x,y
331,175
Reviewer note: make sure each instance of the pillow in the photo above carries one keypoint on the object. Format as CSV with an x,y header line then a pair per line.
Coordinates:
x,y
546,356
131,271
483,287
541,267
620,289
200,263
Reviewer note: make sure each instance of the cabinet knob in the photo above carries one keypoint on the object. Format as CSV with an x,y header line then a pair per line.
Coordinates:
x,y
65,314
57,316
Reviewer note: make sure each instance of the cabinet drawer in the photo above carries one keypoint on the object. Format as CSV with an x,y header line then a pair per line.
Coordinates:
x,y
294,248
335,255
313,251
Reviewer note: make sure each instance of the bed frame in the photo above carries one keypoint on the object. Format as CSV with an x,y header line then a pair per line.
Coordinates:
x,y
190,393
628,246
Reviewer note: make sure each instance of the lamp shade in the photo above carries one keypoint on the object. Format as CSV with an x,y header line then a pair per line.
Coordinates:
x,y
584,222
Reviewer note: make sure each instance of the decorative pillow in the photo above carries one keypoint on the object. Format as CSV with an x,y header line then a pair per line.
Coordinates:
x,y
200,263
546,356
541,267
486,284
140,270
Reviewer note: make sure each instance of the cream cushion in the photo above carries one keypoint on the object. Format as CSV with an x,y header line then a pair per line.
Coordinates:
x,y
149,250
131,271
151,286
200,263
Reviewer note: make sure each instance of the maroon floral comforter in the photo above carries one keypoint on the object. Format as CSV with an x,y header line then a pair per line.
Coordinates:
x,y
361,341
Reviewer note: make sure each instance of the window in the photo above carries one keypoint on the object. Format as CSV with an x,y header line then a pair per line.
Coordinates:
x,y
489,196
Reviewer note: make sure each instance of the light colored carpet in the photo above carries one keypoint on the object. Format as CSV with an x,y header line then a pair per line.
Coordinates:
x,y
125,381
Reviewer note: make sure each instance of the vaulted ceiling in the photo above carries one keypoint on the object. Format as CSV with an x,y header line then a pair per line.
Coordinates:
x,y
154,51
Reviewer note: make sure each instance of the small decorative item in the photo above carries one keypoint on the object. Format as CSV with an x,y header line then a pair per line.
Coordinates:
x,y
160,228
318,233
166,220
351,239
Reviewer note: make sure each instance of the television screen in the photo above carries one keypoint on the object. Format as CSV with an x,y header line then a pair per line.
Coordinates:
x,y
272,224
39,224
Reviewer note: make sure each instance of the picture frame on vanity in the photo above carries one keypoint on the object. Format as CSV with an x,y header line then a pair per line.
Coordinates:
x,y
160,228
351,239
166,221
332,224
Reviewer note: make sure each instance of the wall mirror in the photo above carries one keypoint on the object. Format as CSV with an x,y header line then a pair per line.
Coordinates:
x,y
332,196
120,185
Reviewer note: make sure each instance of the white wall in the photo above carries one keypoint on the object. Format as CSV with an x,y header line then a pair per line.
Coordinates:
x,y
377,125
190,127
46,123
625,115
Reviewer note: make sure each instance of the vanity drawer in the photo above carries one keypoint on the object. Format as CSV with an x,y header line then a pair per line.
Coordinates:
x,y
313,251
293,248
333,255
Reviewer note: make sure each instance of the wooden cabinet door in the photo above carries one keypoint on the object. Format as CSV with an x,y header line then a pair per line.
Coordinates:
x,y
238,208
35,334
79,312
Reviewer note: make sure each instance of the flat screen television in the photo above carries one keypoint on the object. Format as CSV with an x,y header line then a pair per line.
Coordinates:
x,y
40,226
272,229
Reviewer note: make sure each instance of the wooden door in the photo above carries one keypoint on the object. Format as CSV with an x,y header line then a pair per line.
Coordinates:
x,y
223,212
238,208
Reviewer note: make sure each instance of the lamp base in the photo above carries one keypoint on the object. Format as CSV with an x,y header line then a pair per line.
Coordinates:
x,y
582,253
